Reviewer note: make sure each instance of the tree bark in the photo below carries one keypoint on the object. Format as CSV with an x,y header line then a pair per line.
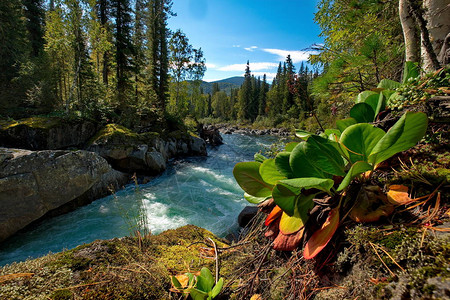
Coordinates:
x,y
410,34
437,14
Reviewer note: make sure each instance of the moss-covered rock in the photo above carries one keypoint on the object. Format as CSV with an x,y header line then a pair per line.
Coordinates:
x,y
145,152
41,133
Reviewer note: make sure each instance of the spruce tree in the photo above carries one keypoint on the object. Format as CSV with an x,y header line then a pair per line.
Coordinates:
x,y
121,10
245,95
263,96
35,14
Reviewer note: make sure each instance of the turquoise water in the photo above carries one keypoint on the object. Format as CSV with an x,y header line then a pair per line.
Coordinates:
x,y
199,191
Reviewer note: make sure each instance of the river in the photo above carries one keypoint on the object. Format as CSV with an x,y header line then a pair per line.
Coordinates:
x,y
197,190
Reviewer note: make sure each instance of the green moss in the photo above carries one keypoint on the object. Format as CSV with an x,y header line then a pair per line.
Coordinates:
x,y
116,269
33,122
119,134
62,295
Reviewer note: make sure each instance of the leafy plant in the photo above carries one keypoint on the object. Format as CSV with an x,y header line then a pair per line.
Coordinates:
x,y
199,287
328,167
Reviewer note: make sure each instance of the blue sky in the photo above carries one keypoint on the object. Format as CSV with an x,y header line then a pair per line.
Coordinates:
x,y
230,32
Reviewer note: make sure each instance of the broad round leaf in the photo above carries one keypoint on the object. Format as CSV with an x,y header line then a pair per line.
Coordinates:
x,y
248,177
282,164
360,139
286,192
344,123
362,113
269,172
322,154
405,133
320,238
301,165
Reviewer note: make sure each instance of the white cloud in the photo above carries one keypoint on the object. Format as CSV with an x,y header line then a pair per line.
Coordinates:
x,y
210,66
236,46
253,66
269,76
211,80
296,55
251,49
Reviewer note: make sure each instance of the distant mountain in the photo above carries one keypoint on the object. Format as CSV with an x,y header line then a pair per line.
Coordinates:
x,y
237,80
224,84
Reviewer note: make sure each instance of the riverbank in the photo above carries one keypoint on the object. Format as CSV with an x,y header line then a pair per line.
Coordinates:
x,y
52,165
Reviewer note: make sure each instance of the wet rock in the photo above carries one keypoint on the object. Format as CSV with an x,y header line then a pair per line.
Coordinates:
x,y
247,215
35,183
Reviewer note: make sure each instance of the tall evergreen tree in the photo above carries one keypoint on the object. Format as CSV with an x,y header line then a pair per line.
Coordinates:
x,y
157,38
35,14
121,10
263,96
245,95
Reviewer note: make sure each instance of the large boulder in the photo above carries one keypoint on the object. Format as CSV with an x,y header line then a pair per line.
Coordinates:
x,y
42,133
143,152
38,183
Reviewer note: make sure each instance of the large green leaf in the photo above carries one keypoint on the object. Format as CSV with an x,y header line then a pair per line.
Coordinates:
x,y
301,165
411,70
357,168
282,164
388,84
248,177
405,133
362,113
286,192
363,95
360,139
269,172
344,123
322,154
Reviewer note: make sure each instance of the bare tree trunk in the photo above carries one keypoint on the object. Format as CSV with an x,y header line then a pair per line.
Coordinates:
x,y
437,15
410,34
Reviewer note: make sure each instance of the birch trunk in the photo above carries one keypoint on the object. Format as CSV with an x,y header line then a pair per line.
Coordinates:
x,y
437,15
410,34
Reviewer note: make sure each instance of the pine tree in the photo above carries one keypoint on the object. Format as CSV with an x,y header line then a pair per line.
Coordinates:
x,y
245,95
